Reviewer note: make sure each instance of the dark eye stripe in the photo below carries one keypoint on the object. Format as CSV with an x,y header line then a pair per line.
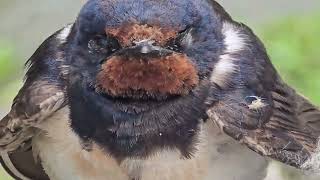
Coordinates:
x,y
180,41
103,44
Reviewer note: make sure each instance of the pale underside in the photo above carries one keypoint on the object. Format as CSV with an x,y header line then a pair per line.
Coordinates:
x,y
63,157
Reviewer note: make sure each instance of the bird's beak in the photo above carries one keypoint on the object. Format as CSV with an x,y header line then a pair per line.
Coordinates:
x,y
146,48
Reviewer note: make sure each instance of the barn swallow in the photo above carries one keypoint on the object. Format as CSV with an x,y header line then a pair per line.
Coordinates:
x,y
131,89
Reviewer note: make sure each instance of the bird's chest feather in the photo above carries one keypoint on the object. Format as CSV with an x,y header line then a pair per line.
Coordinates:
x,y
63,157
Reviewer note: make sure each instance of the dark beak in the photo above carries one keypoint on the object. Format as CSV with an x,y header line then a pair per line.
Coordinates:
x,y
145,48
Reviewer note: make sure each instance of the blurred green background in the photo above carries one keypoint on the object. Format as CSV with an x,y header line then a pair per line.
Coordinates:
x,y
292,40
293,45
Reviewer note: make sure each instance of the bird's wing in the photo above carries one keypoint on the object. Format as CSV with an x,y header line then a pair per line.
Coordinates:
x,y
254,106
42,95
288,132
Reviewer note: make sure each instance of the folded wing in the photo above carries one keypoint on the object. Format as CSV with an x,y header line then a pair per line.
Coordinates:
x,y
42,94
287,125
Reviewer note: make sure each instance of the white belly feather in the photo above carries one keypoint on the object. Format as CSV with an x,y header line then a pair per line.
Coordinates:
x,y
63,158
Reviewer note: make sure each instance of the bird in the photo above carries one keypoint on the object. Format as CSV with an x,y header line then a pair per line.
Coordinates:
x,y
132,89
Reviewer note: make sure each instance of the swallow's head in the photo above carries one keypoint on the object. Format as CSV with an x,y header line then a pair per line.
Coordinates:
x,y
145,60
147,49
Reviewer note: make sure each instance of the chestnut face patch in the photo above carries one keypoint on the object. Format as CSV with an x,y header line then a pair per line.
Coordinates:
x,y
170,75
130,33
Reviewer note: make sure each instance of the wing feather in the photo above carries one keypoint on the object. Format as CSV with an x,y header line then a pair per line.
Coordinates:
x,y
259,110
290,134
42,94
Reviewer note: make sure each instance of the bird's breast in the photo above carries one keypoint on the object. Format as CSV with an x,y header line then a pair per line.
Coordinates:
x,y
64,157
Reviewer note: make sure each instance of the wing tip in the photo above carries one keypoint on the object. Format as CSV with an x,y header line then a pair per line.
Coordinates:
x,y
21,166
9,167
312,164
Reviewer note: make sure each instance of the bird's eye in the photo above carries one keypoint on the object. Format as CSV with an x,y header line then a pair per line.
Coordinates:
x,y
103,45
183,40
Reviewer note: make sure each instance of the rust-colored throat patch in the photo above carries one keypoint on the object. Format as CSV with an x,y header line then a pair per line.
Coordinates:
x,y
144,78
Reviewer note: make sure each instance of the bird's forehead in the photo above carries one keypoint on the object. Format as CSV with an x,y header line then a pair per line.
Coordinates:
x,y
164,13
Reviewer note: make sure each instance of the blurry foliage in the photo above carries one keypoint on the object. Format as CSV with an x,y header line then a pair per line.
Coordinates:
x,y
9,68
4,176
7,63
294,47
